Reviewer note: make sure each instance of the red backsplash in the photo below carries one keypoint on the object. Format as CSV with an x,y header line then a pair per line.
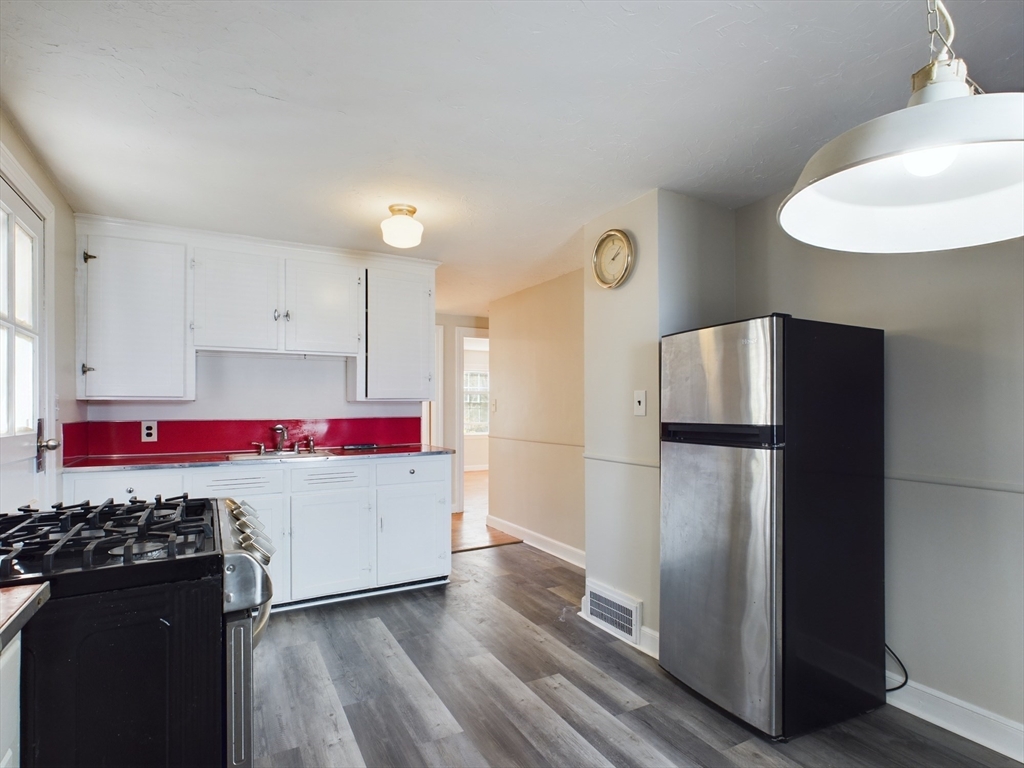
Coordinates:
x,y
124,438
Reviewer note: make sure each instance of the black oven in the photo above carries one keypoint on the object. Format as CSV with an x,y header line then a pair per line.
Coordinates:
x,y
142,656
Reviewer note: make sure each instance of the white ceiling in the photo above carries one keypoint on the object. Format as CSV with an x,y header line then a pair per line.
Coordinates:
x,y
508,124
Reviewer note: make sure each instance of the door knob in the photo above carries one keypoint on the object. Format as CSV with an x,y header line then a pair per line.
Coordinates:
x,y
48,445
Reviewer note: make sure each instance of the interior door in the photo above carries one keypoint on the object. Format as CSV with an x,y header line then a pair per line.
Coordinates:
x,y
23,375
721,579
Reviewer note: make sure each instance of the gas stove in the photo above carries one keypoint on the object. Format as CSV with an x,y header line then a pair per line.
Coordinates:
x,y
89,547
177,584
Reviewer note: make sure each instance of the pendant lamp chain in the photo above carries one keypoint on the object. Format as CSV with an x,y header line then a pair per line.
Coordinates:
x,y
938,17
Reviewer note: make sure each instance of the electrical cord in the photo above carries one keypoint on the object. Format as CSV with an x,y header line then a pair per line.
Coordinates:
x,y
906,676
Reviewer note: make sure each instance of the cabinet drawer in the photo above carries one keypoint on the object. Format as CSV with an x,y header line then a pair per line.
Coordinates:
x,y
334,475
121,486
254,480
394,471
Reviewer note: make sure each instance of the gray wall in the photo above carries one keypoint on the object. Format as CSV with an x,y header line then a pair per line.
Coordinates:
x,y
683,278
954,326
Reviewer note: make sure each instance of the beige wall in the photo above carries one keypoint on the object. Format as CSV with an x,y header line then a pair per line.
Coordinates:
x,y
68,409
684,277
536,460
954,358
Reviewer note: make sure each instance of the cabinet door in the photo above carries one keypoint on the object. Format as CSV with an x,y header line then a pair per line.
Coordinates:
x,y
413,533
121,486
135,327
399,335
323,305
277,525
332,543
238,300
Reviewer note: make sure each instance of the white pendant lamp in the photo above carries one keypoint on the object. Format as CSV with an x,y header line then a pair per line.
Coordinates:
x,y
946,172
402,230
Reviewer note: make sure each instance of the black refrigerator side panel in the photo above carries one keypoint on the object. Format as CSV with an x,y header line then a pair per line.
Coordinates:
x,y
132,678
833,524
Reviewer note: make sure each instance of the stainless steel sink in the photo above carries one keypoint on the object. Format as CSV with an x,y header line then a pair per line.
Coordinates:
x,y
253,456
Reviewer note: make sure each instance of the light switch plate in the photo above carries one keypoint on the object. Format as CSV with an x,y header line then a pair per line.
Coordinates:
x,y
149,431
639,402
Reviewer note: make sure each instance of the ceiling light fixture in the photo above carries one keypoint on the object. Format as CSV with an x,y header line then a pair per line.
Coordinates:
x,y
402,230
946,172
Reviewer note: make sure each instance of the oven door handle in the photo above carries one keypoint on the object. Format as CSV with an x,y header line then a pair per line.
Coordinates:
x,y
260,623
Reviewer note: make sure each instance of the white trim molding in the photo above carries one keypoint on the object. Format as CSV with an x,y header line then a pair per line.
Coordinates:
x,y
972,722
544,543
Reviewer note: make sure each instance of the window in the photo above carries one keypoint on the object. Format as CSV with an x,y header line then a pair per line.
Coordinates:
x,y
19,326
476,403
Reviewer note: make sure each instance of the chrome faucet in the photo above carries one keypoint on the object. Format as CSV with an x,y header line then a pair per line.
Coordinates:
x,y
282,435
310,444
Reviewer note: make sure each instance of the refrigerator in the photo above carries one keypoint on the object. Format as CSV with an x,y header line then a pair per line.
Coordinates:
x,y
772,512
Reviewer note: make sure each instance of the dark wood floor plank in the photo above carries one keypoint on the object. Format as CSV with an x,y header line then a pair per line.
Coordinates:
x,y
549,733
306,713
382,734
439,676
759,753
483,720
456,751
423,713
611,737
674,739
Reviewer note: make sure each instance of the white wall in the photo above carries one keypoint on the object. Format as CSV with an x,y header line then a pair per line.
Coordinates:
x,y
536,475
250,386
954,461
684,277
68,409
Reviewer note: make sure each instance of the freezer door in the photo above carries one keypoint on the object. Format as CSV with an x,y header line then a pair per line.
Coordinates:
x,y
726,374
721,576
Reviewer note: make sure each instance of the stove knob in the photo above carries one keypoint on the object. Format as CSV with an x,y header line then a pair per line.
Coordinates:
x,y
262,551
249,510
247,524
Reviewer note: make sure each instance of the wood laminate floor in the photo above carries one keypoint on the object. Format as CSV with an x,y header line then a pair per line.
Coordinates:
x,y
469,527
496,669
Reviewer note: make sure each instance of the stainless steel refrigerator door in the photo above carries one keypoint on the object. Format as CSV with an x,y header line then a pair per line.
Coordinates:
x,y
726,374
721,576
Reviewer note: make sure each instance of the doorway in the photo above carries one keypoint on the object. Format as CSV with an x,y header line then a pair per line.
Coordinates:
x,y
473,405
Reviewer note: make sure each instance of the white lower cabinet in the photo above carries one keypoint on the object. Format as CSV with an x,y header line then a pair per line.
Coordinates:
x,y
413,532
332,543
10,704
338,526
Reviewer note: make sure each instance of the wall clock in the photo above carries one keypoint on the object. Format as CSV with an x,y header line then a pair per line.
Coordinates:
x,y
613,258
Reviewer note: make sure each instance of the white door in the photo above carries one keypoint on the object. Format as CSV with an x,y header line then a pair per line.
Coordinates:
x,y
23,358
413,532
322,313
332,543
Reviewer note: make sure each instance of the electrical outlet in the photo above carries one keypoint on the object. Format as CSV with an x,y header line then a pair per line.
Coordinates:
x,y
639,402
149,431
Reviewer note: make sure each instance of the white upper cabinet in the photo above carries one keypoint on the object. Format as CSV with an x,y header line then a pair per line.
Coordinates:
x,y
238,300
153,295
398,359
323,307
133,330
246,301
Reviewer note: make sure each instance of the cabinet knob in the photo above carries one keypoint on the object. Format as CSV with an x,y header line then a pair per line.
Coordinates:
x,y
412,471
129,489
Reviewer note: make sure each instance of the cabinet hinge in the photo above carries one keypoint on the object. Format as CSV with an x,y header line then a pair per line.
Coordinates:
x,y
192,264
86,256
430,293
192,327
86,369
359,281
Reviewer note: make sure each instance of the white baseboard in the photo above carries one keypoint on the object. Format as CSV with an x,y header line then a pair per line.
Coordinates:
x,y
648,637
986,728
540,541
475,467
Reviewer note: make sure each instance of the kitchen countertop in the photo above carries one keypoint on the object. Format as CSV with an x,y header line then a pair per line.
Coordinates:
x,y
17,606
220,458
